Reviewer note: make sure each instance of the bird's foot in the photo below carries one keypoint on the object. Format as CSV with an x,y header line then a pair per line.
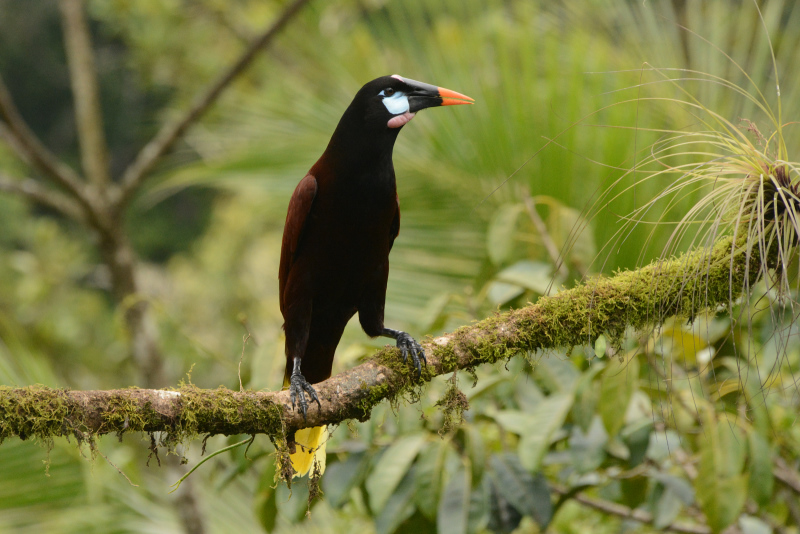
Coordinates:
x,y
301,392
408,346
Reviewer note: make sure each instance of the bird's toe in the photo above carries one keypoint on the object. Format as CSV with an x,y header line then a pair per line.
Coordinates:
x,y
409,346
301,392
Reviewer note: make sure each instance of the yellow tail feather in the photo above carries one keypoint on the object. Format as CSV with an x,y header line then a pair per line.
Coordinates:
x,y
310,447
310,443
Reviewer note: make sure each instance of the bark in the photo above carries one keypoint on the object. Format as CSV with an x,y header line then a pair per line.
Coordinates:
x,y
100,205
612,508
83,75
686,287
51,198
31,150
135,174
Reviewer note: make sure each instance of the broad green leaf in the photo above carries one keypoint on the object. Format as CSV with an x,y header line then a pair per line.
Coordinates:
x,y
663,445
600,345
478,511
634,490
637,437
529,495
761,480
513,420
720,486
475,449
667,509
485,385
754,392
264,500
534,275
588,450
618,383
556,375
293,503
753,525
398,508
433,316
543,424
503,516
526,394
680,487
501,232
341,477
680,345
429,476
502,292
587,395
391,468
453,513
568,225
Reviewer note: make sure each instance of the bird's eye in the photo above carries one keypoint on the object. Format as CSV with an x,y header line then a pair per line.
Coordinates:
x,y
388,91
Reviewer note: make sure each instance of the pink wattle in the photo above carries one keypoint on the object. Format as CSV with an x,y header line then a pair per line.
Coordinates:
x,y
400,120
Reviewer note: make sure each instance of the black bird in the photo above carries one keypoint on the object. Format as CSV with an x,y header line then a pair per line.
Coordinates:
x,y
342,221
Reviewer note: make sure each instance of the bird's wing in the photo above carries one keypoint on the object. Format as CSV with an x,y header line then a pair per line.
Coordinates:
x,y
394,229
299,208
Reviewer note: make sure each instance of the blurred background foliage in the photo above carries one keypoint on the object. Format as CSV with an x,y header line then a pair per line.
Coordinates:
x,y
685,424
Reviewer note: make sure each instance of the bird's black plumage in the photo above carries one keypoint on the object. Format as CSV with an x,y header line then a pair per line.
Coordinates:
x,y
341,224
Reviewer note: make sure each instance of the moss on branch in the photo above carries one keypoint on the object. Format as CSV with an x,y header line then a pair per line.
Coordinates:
x,y
685,286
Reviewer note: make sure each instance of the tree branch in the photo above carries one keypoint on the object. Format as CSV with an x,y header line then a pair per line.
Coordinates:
x,y
547,241
685,286
641,516
135,174
31,190
786,475
83,75
30,149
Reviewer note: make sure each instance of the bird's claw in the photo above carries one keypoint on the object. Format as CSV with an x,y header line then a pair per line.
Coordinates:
x,y
408,345
299,389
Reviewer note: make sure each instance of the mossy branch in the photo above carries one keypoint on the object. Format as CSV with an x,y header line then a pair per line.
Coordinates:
x,y
685,286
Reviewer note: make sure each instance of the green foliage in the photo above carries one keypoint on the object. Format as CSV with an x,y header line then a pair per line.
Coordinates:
x,y
721,486
673,422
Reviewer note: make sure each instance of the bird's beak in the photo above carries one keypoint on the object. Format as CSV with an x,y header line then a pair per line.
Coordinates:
x,y
424,95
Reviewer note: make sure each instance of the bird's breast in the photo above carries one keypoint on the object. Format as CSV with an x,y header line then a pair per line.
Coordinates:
x,y
347,236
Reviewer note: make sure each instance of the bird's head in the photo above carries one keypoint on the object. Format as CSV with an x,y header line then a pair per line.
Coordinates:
x,y
377,113
392,101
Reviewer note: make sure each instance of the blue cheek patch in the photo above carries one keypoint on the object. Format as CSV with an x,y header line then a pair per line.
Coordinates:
x,y
397,103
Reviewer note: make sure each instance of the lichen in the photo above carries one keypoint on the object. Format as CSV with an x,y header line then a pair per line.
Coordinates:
x,y
44,413
34,412
454,403
314,490
682,287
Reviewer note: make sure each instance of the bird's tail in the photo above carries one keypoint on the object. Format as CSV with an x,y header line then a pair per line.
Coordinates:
x,y
310,447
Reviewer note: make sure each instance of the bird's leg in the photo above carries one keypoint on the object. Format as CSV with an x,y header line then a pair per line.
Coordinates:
x,y
299,388
407,345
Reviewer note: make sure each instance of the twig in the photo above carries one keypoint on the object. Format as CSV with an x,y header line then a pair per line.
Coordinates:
x,y
177,484
30,149
219,14
780,469
244,344
786,475
112,464
620,510
136,173
547,241
83,76
794,508
51,198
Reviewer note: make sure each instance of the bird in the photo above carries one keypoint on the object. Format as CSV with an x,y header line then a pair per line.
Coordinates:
x,y
341,223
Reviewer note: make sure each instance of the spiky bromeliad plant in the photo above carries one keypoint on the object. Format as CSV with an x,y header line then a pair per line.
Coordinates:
x,y
738,181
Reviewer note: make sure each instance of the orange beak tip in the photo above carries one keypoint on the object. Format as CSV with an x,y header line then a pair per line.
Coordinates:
x,y
452,98
454,102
